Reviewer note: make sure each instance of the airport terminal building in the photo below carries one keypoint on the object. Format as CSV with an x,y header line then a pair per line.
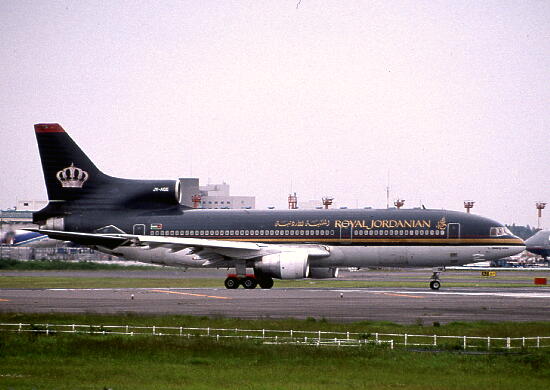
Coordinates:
x,y
212,196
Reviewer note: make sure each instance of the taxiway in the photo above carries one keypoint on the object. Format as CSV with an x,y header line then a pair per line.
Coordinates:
x,y
404,306
399,305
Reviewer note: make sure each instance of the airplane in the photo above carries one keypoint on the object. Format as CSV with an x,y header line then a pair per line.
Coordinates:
x,y
26,238
143,220
539,244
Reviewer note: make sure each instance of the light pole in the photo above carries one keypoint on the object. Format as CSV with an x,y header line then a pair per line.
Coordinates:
x,y
540,206
468,204
399,203
1,235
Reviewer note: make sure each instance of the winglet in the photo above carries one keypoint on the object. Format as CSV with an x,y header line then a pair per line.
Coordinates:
x,y
48,128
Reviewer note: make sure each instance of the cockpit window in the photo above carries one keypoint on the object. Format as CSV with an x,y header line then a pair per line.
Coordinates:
x,y
500,231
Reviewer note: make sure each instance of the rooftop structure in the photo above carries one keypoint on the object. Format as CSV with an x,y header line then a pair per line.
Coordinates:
x,y
212,196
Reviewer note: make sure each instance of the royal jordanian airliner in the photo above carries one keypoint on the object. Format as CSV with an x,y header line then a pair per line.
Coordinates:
x,y
143,220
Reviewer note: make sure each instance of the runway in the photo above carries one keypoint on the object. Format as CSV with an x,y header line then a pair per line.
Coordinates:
x,y
405,306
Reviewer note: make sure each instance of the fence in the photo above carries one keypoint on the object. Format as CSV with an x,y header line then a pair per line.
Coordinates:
x,y
296,337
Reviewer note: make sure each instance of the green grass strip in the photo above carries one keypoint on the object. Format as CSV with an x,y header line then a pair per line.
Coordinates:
x,y
124,362
94,282
479,328
57,265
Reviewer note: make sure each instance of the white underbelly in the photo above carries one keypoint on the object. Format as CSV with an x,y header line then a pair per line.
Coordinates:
x,y
412,256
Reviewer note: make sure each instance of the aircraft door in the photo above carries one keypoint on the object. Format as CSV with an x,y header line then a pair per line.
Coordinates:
x,y
453,230
346,233
139,229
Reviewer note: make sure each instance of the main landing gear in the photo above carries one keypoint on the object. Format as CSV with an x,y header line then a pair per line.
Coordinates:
x,y
248,281
434,282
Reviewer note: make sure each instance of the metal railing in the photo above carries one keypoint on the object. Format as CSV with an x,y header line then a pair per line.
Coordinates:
x,y
295,337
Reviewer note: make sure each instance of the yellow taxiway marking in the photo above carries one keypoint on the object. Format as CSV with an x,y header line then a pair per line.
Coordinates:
x,y
195,295
399,295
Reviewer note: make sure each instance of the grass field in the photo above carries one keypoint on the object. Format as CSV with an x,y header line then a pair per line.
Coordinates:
x,y
51,265
501,329
103,282
32,361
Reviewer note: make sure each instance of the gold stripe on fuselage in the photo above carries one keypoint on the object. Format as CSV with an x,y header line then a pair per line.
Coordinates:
x,y
428,241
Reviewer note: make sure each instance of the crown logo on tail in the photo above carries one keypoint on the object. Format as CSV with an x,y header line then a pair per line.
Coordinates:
x,y
72,177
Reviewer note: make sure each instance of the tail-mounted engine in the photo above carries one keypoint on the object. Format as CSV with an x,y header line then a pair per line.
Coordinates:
x,y
148,193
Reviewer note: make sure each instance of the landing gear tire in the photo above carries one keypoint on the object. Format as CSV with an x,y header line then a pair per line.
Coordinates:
x,y
231,283
249,283
266,283
435,284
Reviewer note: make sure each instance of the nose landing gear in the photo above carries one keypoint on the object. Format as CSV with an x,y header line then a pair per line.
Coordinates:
x,y
434,282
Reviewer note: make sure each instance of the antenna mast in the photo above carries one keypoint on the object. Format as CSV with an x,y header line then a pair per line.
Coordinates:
x,y
388,191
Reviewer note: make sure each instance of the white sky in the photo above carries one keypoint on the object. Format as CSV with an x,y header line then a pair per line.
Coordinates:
x,y
451,97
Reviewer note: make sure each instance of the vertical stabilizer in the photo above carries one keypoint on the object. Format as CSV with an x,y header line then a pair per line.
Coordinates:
x,y
75,185
69,174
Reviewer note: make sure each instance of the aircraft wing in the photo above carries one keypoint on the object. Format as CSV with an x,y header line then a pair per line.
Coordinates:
x,y
226,248
232,249
107,240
